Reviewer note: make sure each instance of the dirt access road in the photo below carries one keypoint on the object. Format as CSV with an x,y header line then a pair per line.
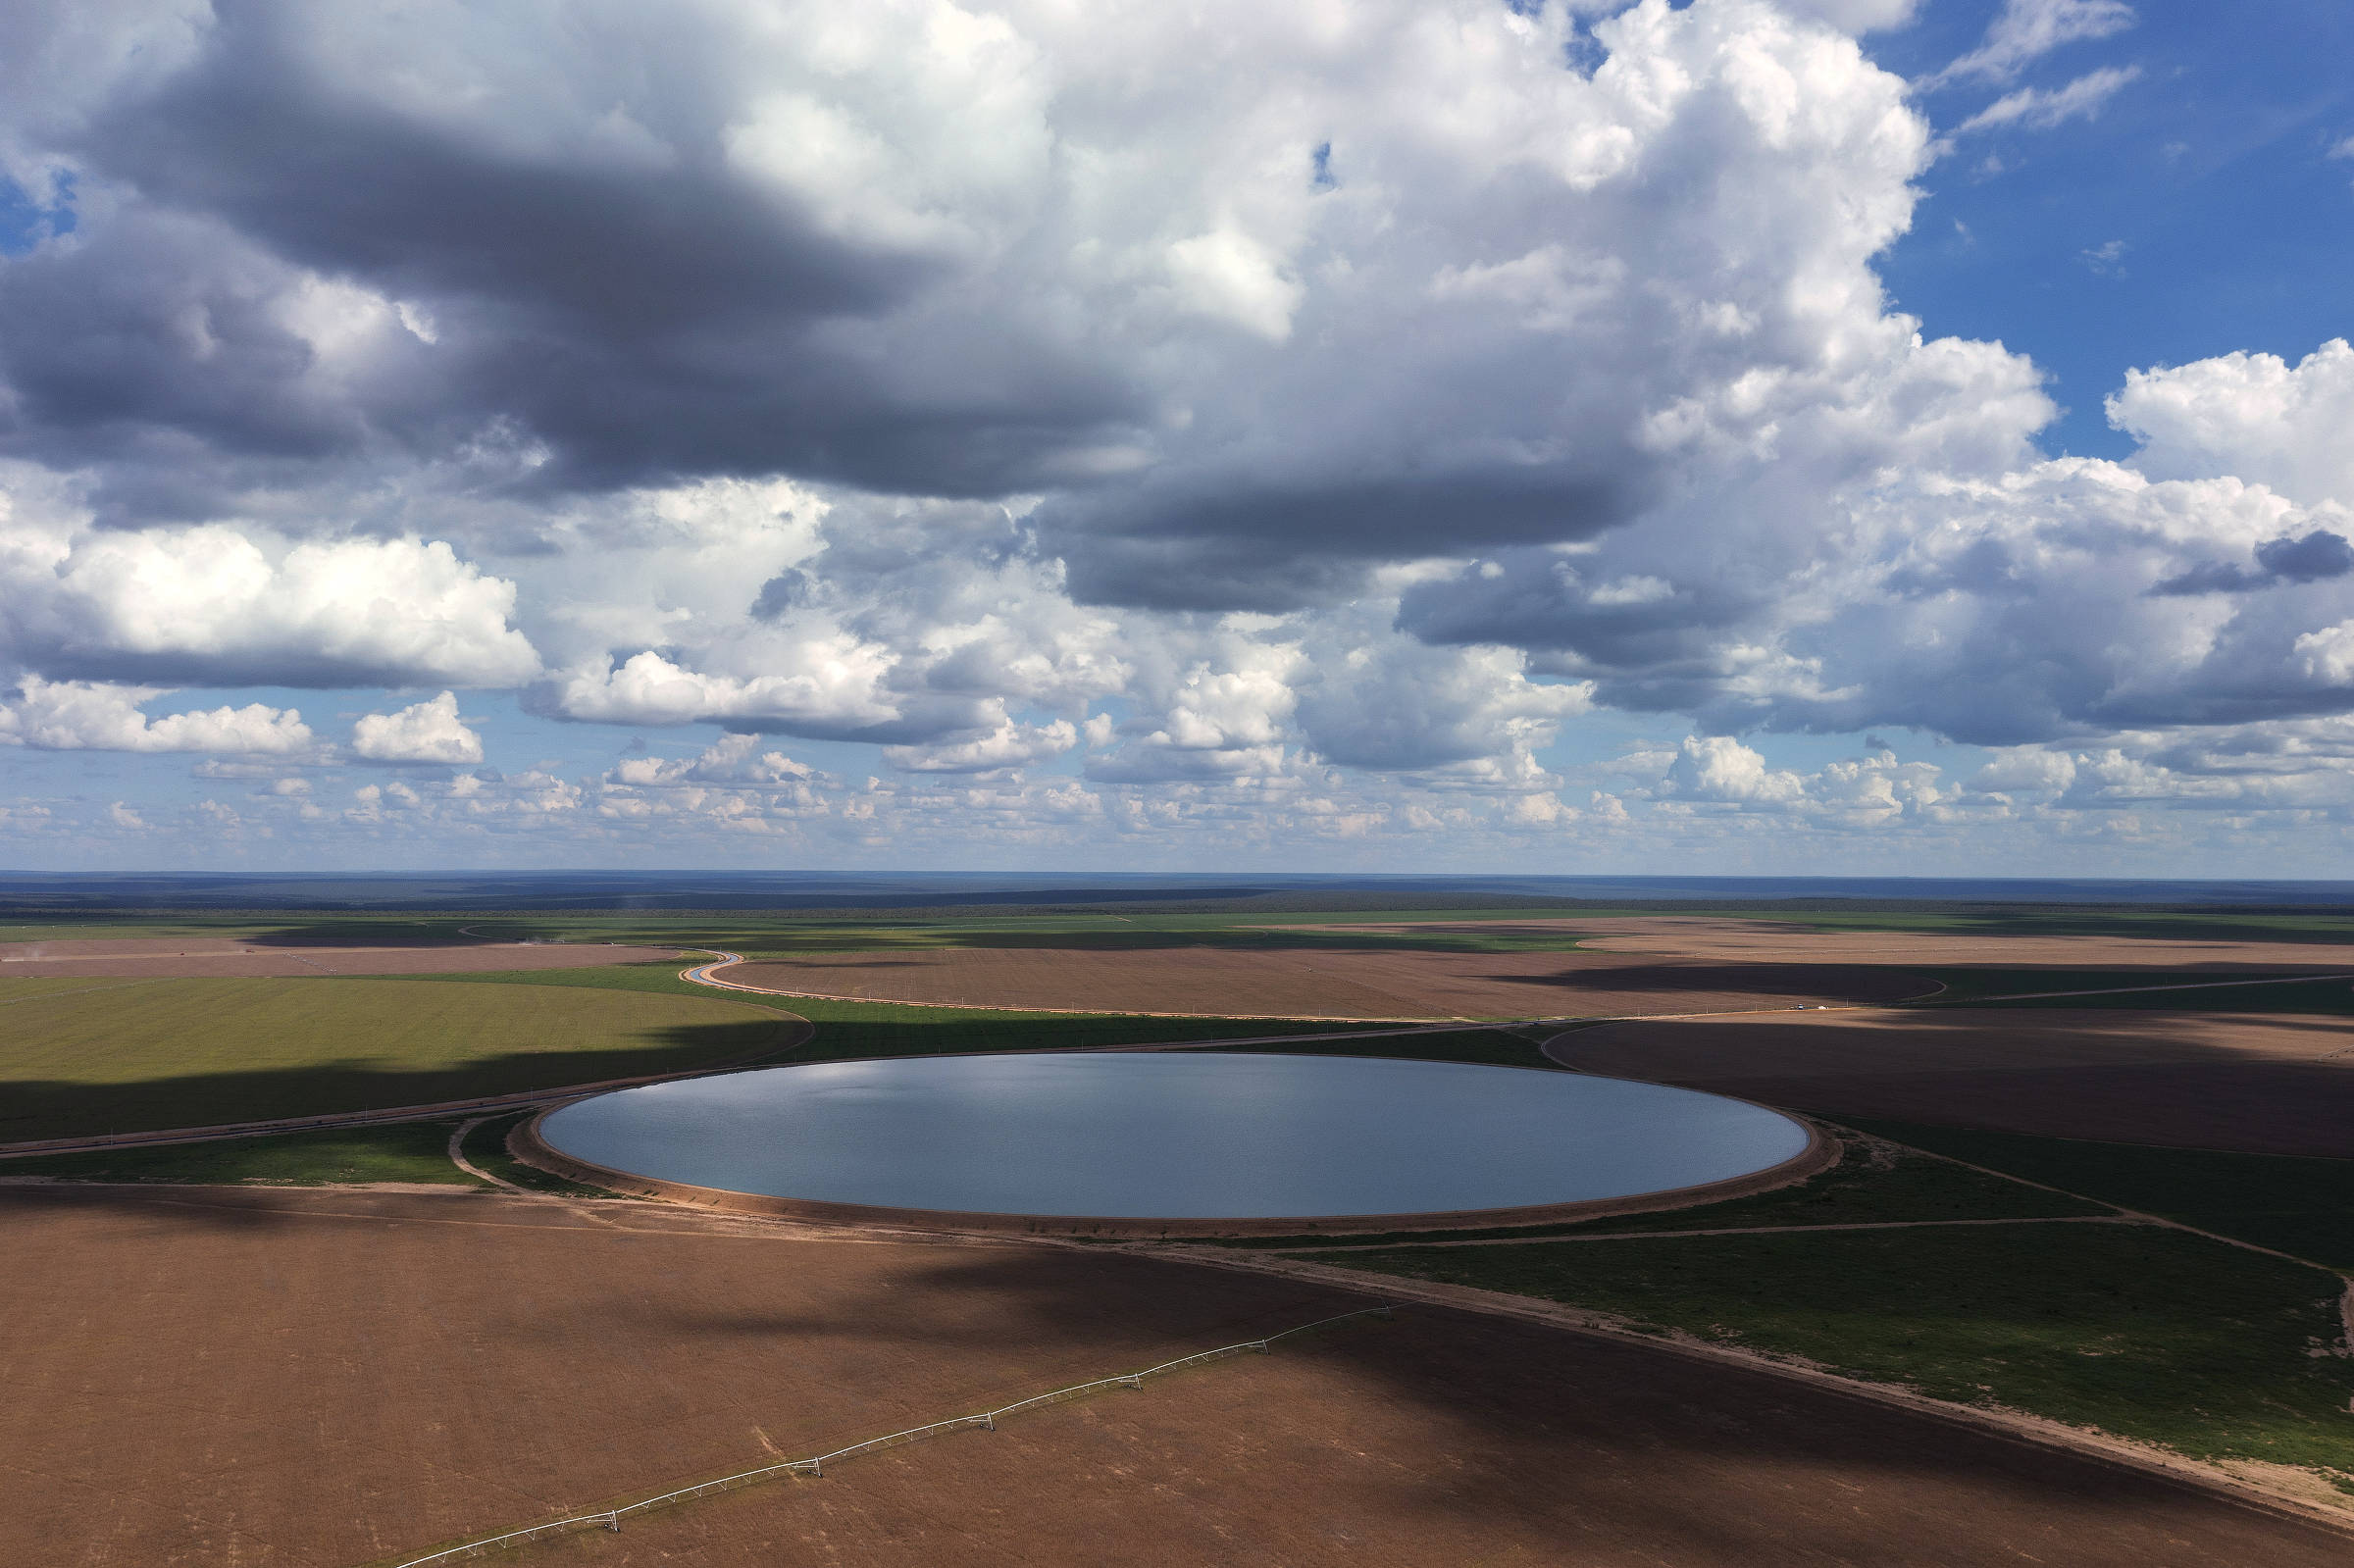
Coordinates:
x,y
1635,966
1341,983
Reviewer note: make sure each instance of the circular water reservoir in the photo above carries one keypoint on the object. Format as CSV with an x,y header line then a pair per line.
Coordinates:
x,y
1174,1136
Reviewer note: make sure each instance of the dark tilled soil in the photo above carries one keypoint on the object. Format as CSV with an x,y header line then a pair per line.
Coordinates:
x,y
2264,1083
224,1377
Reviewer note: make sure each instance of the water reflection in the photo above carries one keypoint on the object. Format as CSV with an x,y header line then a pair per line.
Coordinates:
x,y
1171,1137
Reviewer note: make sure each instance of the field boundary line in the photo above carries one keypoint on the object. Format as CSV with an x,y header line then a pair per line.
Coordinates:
x,y
1314,1250
2135,990
2345,1300
815,1465
700,974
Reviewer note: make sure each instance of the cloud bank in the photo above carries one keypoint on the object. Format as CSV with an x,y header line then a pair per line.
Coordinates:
x,y
1126,422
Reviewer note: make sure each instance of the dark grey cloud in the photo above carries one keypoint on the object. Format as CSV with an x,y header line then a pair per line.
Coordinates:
x,y
1251,545
1541,601
786,590
648,245
1487,387
640,319
2313,557
161,321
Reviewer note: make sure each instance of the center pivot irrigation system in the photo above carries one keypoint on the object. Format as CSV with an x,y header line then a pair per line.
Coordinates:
x,y
611,1518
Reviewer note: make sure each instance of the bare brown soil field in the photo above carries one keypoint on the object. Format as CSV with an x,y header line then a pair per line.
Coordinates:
x,y
1704,939
199,958
2267,1084
232,1377
1318,983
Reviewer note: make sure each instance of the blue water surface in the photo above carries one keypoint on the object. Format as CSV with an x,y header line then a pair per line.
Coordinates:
x,y
1174,1136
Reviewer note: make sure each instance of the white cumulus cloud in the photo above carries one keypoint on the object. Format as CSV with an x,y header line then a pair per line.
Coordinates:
x,y
87,716
218,605
1308,441
1010,745
736,759
425,732
2253,416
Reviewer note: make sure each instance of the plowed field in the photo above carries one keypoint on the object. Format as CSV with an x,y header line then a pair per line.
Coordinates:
x,y
1703,940
1318,983
2269,1083
252,1378
195,958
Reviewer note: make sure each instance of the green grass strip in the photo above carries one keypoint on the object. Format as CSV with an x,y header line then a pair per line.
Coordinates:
x,y
2295,1204
397,1151
486,1148
2140,1331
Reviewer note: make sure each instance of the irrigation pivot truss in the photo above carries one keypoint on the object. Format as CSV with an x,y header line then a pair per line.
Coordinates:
x,y
611,1518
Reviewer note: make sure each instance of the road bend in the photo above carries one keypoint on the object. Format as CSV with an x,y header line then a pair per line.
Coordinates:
x,y
705,974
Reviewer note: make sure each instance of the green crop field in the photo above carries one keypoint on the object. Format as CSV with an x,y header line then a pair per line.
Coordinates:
x,y
131,1055
2145,1332
2291,1203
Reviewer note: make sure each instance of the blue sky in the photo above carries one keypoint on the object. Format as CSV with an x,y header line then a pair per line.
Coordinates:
x,y
1394,449
2210,172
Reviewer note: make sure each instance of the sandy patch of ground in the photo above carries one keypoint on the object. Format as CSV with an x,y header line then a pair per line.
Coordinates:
x,y
2272,1083
1706,939
275,1378
176,957
1317,982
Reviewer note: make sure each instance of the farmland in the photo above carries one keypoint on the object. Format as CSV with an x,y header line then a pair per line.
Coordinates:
x,y
2266,1082
299,955
130,1056
1317,981
2031,1219
2145,1333
265,1362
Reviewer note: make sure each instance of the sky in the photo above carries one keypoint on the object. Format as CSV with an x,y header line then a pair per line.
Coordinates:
x,y
1833,437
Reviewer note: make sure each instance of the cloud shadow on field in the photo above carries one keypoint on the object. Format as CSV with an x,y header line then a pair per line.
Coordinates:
x,y
2191,1080
38,1108
1518,1428
1842,982
622,1362
48,1108
1443,1426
